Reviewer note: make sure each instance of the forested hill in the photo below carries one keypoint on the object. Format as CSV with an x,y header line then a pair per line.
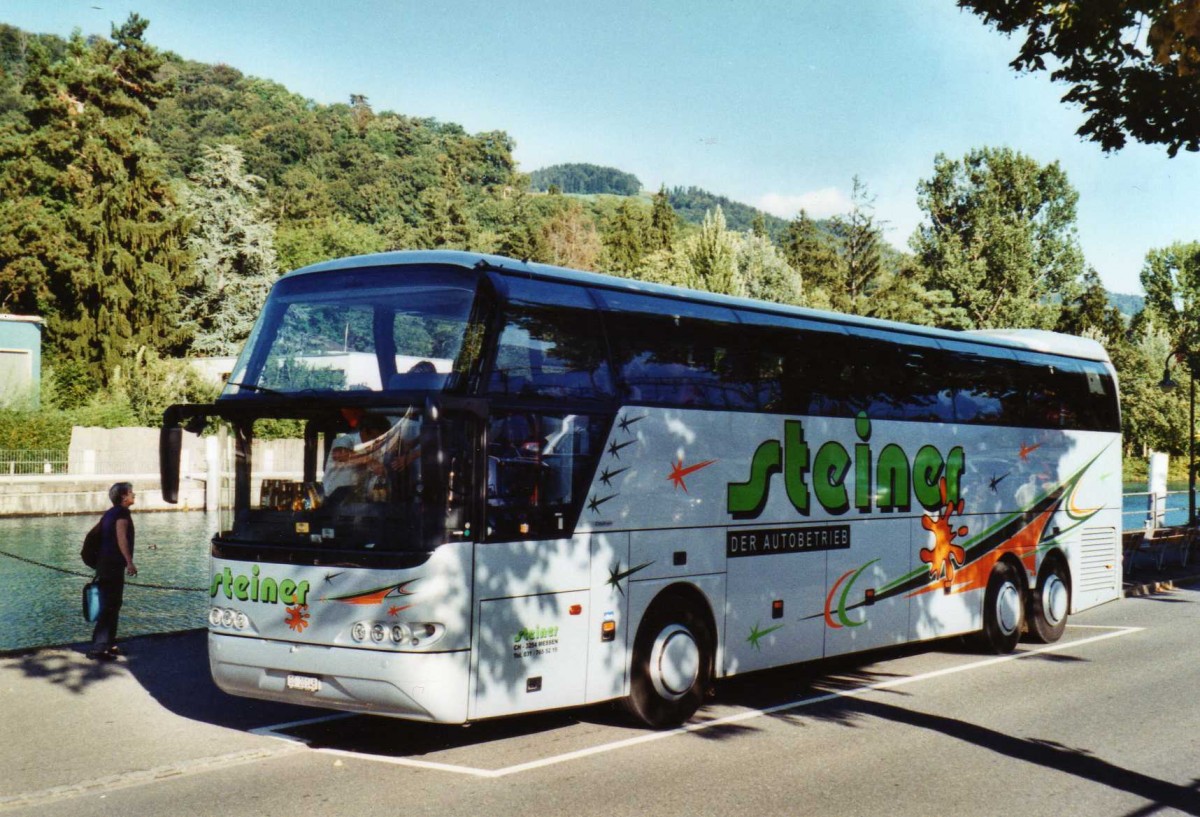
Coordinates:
x,y
217,181
692,203
586,179
1128,305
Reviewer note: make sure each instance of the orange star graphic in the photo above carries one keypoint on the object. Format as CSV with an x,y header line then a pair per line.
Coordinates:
x,y
678,472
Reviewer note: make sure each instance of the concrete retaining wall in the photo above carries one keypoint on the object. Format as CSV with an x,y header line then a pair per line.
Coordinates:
x,y
99,457
65,494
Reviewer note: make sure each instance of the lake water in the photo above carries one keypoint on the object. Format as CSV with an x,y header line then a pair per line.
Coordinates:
x,y
40,606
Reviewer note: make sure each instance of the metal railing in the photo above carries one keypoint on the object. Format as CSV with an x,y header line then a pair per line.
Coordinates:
x,y
29,461
1154,510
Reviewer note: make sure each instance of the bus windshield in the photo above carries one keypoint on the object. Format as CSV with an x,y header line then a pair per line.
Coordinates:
x,y
374,329
359,483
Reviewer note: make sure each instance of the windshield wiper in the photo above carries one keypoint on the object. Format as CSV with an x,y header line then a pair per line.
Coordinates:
x,y
252,387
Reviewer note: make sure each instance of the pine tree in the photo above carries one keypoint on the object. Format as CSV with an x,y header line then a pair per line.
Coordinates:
x,y
625,241
662,222
711,256
89,222
233,250
860,254
811,252
758,226
521,237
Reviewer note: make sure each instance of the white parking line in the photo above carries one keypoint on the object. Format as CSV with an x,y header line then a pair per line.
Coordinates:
x,y
1113,632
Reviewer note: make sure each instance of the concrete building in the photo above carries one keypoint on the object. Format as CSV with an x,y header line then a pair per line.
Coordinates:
x,y
20,360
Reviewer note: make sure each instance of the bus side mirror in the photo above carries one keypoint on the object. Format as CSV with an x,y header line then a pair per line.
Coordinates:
x,y
170,443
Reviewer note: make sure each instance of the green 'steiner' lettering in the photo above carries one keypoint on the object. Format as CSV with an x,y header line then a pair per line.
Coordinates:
x,y
252,588
897,479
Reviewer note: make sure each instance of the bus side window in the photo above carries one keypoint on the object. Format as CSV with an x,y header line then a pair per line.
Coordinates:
x,y
551,345
538,468
676,354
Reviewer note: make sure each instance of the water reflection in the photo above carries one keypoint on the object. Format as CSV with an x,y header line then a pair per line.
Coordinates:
x,y
40,606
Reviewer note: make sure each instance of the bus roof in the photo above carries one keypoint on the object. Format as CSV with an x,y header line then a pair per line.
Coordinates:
x,y
1032,340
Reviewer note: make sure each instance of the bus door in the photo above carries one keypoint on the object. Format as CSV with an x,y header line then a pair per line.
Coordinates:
x,y
773,599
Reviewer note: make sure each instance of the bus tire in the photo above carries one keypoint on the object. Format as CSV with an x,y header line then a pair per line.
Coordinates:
x,y
1003,609
1050,604
672,664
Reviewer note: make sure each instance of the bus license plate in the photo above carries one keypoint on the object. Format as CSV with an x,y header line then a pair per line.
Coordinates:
x,y
304,683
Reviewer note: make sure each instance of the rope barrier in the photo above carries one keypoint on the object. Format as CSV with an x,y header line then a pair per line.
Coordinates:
x,y
88,576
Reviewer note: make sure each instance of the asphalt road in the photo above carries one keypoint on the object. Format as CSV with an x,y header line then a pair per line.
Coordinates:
x,y
1106,722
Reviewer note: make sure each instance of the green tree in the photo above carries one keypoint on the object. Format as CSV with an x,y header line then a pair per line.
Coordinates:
x,y
710,254
571,239
758,225
1151,419
662,222
1131,64
765,271
1092,313
336,236
1171,280
625,239
859,253
811,252
521,235
233,250
999,235
446,219
90,235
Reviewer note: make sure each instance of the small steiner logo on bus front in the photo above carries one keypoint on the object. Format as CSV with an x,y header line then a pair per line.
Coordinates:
x,y
533,641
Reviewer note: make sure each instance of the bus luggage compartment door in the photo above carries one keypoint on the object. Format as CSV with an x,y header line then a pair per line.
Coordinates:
x,y
532,653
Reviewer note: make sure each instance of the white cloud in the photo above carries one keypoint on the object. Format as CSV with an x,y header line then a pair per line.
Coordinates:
x,y
823,203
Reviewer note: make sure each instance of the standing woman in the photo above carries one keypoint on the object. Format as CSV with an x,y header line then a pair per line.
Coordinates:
x,y
116,561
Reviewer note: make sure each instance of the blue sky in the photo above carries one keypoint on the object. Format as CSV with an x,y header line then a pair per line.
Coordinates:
x,y
776,103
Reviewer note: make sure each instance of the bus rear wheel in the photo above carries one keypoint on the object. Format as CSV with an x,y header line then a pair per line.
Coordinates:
x,y
672,664
1003,610
1050,605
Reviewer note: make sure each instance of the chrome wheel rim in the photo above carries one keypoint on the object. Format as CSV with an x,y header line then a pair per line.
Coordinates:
x,y
674,662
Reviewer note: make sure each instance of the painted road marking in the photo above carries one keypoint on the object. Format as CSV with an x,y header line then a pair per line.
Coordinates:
x,y
274,731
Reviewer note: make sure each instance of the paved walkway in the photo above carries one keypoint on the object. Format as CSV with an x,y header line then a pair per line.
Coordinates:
x,y
1147,579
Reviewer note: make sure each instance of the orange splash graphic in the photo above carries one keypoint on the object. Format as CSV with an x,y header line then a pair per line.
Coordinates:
x,y
1026,450
944,553
297,617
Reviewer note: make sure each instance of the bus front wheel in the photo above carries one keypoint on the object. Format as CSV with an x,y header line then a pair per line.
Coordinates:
x,y
672,664
1050,604
1003,610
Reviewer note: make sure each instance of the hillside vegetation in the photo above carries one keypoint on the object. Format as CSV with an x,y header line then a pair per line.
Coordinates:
x,y
148,202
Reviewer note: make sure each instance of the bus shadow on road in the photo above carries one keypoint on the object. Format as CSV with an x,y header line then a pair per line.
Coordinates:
x,y
785,689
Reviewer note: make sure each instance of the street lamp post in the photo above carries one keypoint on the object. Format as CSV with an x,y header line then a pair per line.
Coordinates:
x,y
1167,385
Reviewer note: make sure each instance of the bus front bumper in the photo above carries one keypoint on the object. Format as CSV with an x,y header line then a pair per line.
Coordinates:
x,y
416,686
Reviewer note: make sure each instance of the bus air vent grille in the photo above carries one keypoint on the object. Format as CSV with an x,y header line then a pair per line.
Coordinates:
x,y
1098,556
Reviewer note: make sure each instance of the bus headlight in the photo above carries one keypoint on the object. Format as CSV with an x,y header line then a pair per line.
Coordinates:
x,y
226,619
398,634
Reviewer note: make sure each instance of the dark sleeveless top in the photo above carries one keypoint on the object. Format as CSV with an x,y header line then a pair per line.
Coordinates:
x,y
110,553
